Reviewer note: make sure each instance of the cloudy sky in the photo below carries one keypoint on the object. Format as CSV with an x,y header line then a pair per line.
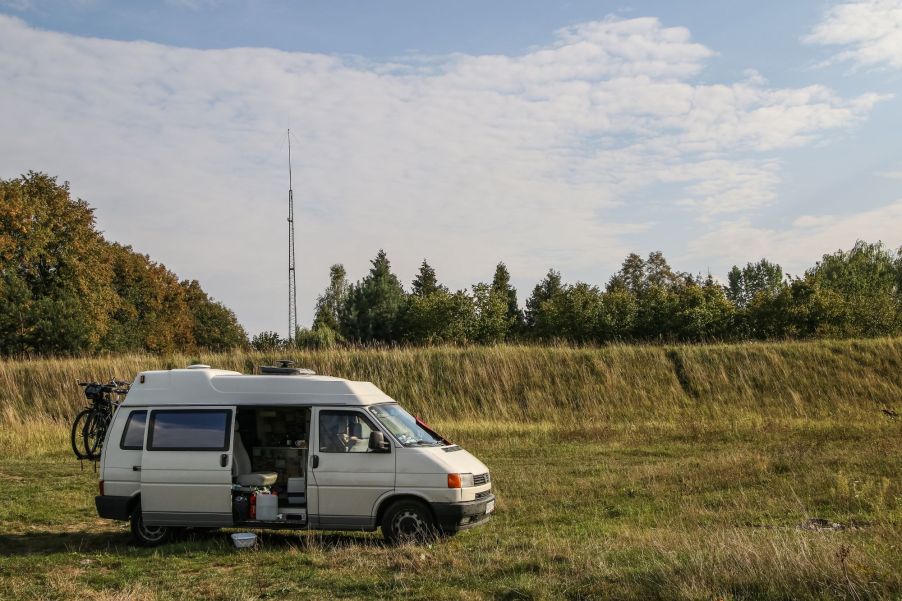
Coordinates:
x,y
543,135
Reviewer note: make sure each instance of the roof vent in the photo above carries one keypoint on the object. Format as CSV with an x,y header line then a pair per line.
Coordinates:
x,y
285,368
198,366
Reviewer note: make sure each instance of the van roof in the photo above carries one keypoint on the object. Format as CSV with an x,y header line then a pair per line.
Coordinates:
x,y
220,387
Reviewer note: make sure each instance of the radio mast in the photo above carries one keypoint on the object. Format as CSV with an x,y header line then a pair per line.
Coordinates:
x,y
292,284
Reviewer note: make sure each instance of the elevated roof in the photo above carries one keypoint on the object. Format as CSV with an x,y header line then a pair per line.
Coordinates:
x,y
204,386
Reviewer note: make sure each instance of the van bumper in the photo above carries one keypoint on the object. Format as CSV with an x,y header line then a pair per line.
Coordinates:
x,y
113,507
452,517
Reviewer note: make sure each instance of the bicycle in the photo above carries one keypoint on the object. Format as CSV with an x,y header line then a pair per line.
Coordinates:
x,y
91,423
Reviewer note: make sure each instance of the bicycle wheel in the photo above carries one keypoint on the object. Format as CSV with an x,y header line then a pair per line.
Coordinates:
x,y
76,436
94,432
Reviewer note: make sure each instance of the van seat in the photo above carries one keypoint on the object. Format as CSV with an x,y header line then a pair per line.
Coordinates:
x,y
258,479
241,468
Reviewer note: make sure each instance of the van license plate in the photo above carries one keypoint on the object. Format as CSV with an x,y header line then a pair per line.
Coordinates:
x,y
490,507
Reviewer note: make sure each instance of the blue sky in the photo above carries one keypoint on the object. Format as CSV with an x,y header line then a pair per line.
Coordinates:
x,y
543,134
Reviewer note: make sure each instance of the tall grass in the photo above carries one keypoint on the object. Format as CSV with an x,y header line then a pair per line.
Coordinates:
x,y
838,379
624,472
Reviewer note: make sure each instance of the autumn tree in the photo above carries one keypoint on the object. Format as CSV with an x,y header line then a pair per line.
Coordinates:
x,y
64,289
54,291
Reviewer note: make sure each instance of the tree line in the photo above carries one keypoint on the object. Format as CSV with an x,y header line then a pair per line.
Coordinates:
x,y
64,289
854,293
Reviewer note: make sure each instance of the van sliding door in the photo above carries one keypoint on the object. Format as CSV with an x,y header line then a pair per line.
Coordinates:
x,y
186,467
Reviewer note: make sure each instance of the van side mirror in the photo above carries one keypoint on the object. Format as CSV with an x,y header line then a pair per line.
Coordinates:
x,y
378,444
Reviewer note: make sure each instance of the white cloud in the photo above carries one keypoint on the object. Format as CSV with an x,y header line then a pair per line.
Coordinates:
x,y
467,159
808,237
869,30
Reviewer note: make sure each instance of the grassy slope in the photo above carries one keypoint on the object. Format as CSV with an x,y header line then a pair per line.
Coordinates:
x,y
843,379
665,472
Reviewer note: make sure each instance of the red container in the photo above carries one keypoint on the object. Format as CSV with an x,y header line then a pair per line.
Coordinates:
x,y
253,512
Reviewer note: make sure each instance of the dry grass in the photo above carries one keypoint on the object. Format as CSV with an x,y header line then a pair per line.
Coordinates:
x,y
621,473
844,379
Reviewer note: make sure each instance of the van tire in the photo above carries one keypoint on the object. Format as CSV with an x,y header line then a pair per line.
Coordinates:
x,y
148,536
408,521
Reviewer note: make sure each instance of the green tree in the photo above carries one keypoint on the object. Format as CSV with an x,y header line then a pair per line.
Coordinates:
x,y
374,305
267,341
745,284
856,292
492,322
631,276
617,315
426,282
574,313
654,285
329,304
658,272
539,324
501,286
701,312
321,337
438,317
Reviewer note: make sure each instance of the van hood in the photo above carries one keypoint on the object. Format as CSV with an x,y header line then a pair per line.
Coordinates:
x,y
442,460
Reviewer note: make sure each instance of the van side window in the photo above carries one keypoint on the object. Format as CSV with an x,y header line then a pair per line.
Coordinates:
x,y
190,430
133,434
344,432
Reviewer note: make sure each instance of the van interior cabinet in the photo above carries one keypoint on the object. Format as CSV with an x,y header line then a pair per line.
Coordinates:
x,y
286,461
277,439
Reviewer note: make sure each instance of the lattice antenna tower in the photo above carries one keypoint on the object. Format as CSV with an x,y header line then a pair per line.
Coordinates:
x,y
292,283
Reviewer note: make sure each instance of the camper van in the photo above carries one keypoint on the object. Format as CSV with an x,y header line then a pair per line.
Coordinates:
x,y
208,448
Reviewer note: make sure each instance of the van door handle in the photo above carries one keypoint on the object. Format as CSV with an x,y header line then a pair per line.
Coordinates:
x,y
315,461
223,460
136,468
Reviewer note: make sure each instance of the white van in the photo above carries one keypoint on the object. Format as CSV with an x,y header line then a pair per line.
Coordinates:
x,y
201,447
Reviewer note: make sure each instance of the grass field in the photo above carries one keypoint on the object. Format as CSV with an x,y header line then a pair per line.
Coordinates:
x,y
625,472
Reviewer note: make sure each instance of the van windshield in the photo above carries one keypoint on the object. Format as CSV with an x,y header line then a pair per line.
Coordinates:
x,y
404,427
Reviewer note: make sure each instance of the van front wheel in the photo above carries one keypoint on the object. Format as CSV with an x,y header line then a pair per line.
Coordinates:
x,y
148,536
408,521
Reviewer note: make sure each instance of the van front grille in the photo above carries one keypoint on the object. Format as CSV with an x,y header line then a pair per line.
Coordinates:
x,y
480,479
483,495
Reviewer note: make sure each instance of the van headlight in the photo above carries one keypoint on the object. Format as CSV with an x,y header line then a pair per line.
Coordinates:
x,y
460,480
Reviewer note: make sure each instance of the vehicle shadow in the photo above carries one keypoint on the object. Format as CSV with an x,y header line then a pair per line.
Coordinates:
x,y
317,540
45,542
48,542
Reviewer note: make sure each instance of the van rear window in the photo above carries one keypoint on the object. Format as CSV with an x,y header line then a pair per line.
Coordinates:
x,y
190,430
133,435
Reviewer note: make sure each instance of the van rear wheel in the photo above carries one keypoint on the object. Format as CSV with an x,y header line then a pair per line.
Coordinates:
x,y
408,521
148,536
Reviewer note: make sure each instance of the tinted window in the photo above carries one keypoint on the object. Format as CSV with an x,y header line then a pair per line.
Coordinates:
x,y
133,435
344,432
197,430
